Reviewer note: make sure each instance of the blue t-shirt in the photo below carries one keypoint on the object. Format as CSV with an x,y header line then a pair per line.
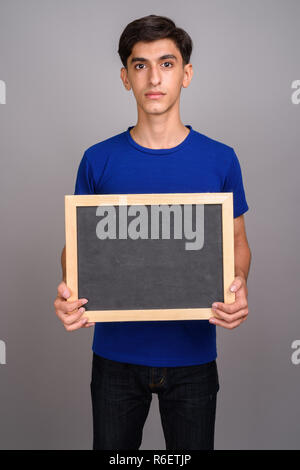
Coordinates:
x,y
119,165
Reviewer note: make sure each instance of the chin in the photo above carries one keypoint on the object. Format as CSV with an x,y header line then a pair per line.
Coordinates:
x,y
161,111
159,106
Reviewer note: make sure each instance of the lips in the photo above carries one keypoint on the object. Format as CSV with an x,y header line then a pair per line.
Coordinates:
x,y
154,94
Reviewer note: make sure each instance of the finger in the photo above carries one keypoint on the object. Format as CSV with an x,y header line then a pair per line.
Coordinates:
x,y
69,318
224,324
59,308
68,307
65,309
88,324
230,317
231,308
76,325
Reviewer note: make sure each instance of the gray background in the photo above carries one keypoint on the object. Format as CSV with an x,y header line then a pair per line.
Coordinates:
x,y
60,64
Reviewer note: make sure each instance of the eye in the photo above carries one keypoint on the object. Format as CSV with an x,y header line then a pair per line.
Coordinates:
x,y
137,65
168,63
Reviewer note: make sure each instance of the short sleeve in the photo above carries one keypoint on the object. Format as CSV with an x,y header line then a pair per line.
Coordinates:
x,y
234,183
84,181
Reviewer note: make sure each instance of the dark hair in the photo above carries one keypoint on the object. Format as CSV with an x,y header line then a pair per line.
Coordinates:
x,y
151,28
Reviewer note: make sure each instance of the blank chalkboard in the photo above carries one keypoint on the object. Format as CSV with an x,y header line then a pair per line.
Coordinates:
x,y
144,274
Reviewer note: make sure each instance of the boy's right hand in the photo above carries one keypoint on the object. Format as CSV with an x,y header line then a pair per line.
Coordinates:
x,y
71,321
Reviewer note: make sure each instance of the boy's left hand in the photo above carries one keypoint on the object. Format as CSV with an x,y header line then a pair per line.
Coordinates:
x,y
232,315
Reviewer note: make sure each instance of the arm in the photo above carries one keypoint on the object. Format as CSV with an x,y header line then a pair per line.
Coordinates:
x,y
242,253
69,313
232,315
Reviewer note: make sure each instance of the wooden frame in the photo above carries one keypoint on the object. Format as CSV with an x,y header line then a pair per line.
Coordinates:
x,y
225,199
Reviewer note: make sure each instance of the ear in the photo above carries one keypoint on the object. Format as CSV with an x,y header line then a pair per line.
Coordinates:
x,y
188,74
124,78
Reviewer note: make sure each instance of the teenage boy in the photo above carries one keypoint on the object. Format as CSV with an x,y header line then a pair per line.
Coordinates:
x,y
175,359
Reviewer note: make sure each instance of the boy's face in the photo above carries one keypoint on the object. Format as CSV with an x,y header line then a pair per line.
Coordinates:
x,y
156,73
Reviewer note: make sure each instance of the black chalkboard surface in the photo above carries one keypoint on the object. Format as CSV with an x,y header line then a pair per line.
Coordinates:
x,y
143,274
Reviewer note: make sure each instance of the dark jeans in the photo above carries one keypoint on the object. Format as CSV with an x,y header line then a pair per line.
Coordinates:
x,y
121,397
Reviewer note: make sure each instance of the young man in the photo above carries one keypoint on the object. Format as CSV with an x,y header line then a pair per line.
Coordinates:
x,y
175,359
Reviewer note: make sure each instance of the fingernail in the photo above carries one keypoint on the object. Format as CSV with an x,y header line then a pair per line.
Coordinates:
x,y
84,301
214,305
82,309
233,288
66,293
212,320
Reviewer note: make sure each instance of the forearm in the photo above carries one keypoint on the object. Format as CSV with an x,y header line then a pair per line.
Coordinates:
x,y
242,259
63,264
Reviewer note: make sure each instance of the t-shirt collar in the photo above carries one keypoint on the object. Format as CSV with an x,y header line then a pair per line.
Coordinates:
x,y
180,146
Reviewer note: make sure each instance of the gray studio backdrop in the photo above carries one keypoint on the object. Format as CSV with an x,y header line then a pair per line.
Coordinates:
x,y
61,93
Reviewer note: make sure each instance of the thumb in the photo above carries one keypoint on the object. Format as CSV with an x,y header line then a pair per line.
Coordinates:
x,y
63,290
235,285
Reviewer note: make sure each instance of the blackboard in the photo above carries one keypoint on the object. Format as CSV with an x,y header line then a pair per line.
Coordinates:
x,y
151,276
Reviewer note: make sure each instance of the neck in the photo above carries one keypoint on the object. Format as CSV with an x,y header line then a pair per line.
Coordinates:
x,y
159,135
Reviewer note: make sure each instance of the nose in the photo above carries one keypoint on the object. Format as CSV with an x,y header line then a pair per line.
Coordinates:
x,y
155,76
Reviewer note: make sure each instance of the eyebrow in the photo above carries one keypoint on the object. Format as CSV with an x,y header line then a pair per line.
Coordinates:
x,y
142,59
